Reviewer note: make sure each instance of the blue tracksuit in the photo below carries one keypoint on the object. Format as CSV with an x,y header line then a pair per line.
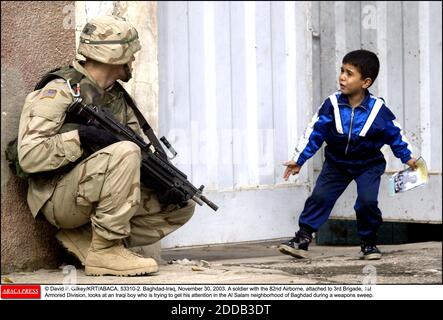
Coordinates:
x,y
354,137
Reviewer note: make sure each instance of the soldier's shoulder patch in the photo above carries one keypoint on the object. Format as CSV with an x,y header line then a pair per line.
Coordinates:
x,y
48,93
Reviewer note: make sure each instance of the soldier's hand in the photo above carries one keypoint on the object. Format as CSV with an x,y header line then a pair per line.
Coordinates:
x,y
93,137
291,168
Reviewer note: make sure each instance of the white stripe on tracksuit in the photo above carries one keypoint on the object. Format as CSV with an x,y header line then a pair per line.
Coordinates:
x,y
304,140
337,117
403,137
377,106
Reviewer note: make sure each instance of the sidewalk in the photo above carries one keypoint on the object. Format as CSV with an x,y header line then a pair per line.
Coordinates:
x,y
260,262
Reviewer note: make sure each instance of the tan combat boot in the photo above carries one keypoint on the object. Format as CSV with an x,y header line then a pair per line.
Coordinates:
x,y
110,257
77,241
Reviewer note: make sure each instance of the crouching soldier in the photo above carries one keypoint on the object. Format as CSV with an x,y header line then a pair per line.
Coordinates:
x,y
76,188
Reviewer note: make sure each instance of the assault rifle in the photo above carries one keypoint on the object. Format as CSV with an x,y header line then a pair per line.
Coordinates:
x,y
157,172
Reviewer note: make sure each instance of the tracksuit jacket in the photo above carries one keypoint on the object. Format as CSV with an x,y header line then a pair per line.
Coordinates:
x,y
354,137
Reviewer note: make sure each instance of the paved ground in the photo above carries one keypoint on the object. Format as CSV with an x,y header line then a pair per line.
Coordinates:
x,y
248,263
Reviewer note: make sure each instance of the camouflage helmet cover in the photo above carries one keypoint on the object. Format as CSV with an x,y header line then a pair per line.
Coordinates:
x,y
109,39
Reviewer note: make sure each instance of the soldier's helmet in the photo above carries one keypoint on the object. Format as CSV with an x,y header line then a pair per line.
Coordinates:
x,y
109,39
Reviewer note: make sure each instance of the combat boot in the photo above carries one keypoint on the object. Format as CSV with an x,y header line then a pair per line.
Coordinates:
x,y
77,241
110,257
297,246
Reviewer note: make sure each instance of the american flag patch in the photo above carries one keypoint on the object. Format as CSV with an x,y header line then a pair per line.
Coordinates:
x,y
49,93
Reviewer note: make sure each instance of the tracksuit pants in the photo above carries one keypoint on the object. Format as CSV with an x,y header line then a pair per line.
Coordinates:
x,y
331,183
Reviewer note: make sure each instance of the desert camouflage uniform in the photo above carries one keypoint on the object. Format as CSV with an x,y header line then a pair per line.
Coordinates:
x,y
103,188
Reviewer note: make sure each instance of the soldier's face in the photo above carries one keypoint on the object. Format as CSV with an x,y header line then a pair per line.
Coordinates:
x,y
126,71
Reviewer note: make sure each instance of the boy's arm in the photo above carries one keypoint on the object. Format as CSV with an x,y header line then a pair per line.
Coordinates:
x,y
314,134
396,139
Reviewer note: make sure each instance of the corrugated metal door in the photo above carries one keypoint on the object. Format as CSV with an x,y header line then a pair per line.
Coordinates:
x,y
235,94
239,81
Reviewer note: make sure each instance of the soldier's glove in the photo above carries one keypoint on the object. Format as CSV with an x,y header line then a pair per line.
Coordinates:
x,y
95,138
172,196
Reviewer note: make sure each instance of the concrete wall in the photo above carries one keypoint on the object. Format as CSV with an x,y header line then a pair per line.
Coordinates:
x,y
36,37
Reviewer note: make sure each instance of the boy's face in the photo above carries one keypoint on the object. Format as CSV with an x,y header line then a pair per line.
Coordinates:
x,y
351,81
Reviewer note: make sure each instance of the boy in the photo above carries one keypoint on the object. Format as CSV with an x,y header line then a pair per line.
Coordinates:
x,y
355,125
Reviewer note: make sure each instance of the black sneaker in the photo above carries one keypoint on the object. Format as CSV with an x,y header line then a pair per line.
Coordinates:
x,y
297,246
369,252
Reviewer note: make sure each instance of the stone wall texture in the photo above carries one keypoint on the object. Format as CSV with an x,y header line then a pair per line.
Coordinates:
x,y
36,36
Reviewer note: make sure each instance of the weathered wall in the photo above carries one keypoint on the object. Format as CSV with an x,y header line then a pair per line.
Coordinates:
x,y
36,36
239,82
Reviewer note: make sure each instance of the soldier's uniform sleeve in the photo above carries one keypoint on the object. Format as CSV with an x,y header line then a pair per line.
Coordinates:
x,y
40,146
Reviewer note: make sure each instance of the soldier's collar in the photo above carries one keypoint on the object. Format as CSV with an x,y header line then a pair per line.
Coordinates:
x,y
108,89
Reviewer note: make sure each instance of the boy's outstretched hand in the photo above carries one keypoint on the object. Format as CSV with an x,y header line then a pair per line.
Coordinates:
x,y
291,168
411,163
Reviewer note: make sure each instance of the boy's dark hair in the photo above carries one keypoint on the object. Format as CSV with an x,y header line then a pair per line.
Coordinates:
x,y
366,61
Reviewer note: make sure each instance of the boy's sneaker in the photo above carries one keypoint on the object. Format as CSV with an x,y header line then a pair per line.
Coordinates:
x,y
297,246
369,252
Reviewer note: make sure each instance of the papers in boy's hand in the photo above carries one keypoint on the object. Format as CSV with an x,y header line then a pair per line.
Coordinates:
x,y
408,179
